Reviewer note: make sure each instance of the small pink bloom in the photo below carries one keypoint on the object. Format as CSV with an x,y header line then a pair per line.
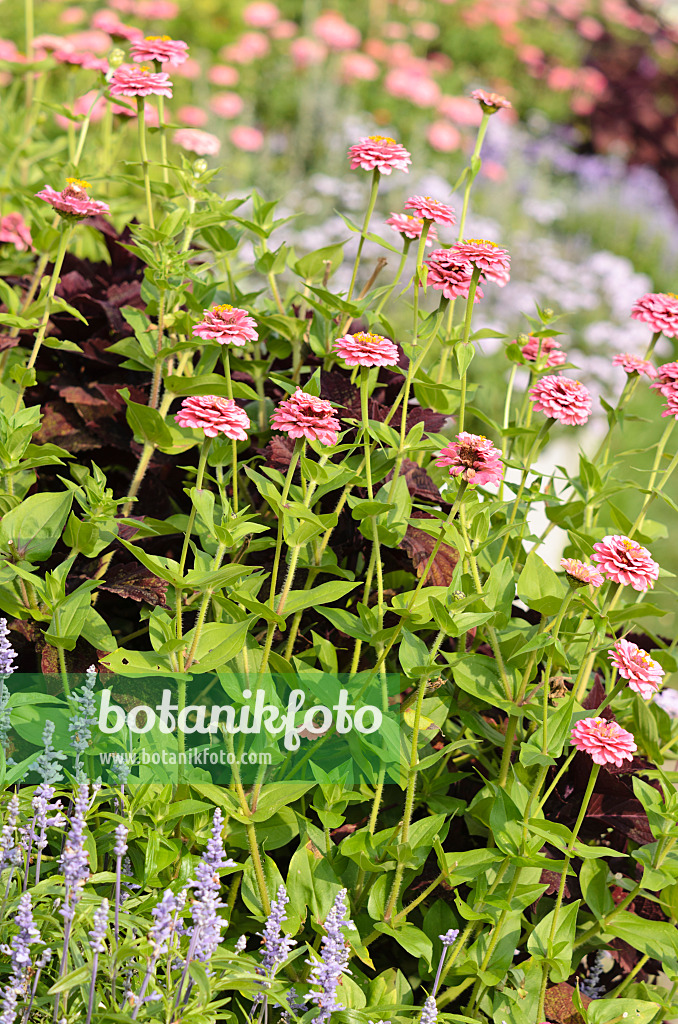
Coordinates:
x,y
474,458
194,117
83,60
15,231
490,102
108,22
227,325
73,201
546,351
366,349
250,140
446,273
589,28
667,379
561,79
284,29
425,30
493,261
160,48
579,574
460,109
336,32
307,52
73,16
222,74
214,415
410,84
659,310
131,81
261,14
634,364
226,104
304,415
157,10
605,742
381,153
443,136
625,561
411,227
250,47
561,398
194,140
431,209
358,67
643,673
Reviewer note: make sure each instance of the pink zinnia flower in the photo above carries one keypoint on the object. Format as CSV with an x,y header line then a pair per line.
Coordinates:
x,y
605,742
491,102
222,74
643,673
15,231
131,81
214,415
379,152
194,117
634,364
579,574
250,140
261,14
365,349
493,261
336,32
659,310
160,48
227,325
196,141
303,415
226,104
667,379
546,351
625,561
431,209
73,201
446,274
411,227
562,399
443,136
474,458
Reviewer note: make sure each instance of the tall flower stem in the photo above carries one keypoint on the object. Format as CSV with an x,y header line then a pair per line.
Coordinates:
x,y
234,444
506,422
471,176
141,122
364,395
363,234
202,462
162,132
92,987
528,465
401,266
415,330
157,368
473,284
64,239
204,606
649,498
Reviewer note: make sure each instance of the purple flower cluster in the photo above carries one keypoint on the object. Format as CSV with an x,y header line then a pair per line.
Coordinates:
x,y
7,652
10,852
74,861
80,725
19,952
47,763
207,924
327,970
276,945
165,918
98,932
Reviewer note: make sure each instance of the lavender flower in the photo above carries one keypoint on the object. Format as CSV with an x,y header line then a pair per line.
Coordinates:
x,y
46,764
276,945
42,808
326,971
7,652
240,944
20,954
429,1013
74,861
10,854
449,937
96,936
447,940
165,915
80,725
120,848
591,986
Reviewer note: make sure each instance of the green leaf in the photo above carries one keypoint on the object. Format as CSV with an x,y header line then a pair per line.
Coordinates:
x,y
539,586
621,1011
658,939
219,643
311,883
538,942
30,531
411,938
326,592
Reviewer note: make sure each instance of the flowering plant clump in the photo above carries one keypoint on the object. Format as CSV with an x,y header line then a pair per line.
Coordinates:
x,y
337,647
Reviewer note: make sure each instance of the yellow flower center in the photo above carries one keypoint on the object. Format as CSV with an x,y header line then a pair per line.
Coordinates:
x,y
225,308
383,138
78,183
158,39
366,338
479,241
672,295
629,545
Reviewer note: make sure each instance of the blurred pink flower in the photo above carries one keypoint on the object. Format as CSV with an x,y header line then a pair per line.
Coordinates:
x,y
460,109
582,105
411,227
81,106
605,742
73,16
156,10
563,399
214,415
474,458
490,102
366,349
407,84
261,14
160,48
132,81
643,673
48,41
579,574
303,415
227,325
306,52
250,140
189,69
358,67
125,110
493,261
284,29
226,104
427,30
450,276
333,30
194,140
431,209
394,30
625,561
561,79
88,41
83,60
379,152
107,21
493,170
194,117
73,201
547,349
223,74
250,47
659,310
443,136
634,364
15,231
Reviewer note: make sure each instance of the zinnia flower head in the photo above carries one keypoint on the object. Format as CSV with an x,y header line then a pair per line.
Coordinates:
x,y
659,310
132,81
634,364
365,349
214,415
490,102
493,261
193,140
379,152
431,209
160,48
227,325
303,415
643,672
448,275
605,742
15,231
73,200
562,399
545,351
625,561
411,227
667,379
474,458
579,574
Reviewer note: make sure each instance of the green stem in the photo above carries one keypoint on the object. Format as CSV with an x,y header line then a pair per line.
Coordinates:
x,y
473,284
471,177
401,266
506,421
141,122
363,234
649,498
202,462
514,510
204,606
163,136
234,443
